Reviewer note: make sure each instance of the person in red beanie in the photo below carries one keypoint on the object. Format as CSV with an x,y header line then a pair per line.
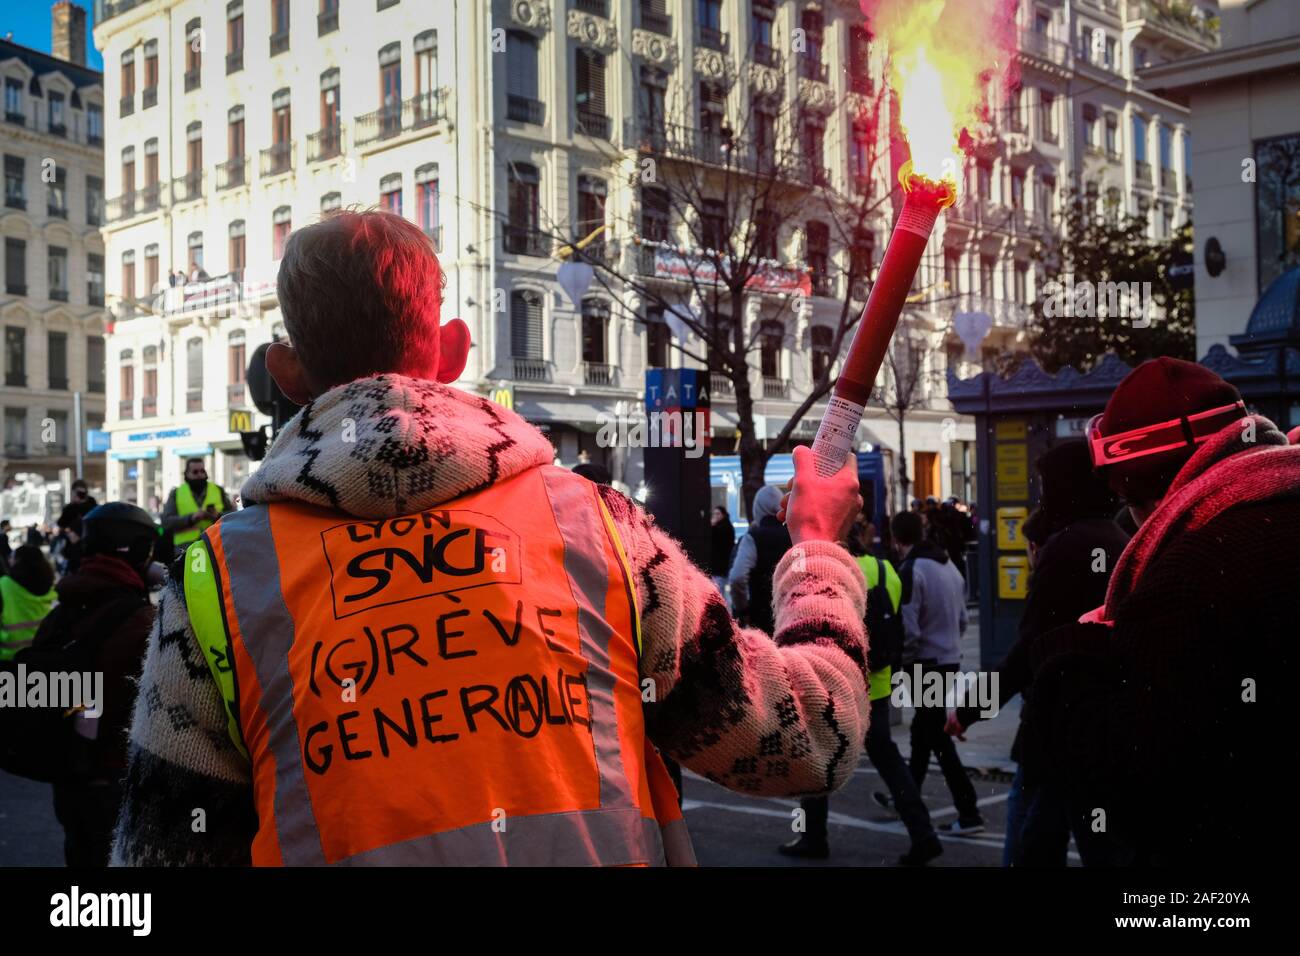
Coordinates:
x,y
1161,712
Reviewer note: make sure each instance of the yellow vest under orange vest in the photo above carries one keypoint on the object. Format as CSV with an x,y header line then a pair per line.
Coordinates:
x,y
455,686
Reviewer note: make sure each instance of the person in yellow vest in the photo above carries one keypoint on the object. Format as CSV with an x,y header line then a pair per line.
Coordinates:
x,y
427,644
193,505
26,596
885,633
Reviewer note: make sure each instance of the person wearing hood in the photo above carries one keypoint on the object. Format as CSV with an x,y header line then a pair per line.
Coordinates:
x,y
26,596
105,602
934,620
421,642
193,505
757,555
722,541
1074,543
1169,704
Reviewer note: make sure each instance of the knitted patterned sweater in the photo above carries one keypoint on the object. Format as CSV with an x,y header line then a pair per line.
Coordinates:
x,y
759,715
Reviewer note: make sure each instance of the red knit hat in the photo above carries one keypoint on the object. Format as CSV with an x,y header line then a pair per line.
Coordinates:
x,y
1157,391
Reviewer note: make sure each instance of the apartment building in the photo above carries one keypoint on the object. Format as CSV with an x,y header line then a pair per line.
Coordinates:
x,y
512,130
52,308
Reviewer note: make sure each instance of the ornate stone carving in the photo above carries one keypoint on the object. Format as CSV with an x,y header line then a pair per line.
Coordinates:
x,y
714,66
593,31
532,14
763,80
655,48
815,95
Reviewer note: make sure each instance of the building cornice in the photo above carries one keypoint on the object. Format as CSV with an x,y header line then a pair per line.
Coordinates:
x,y
1225,64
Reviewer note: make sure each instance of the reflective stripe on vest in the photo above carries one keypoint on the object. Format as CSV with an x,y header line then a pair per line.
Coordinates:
x,y
186,505
203,601
22,614
490,642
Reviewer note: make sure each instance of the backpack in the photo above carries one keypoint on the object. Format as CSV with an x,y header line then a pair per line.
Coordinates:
x,y
884,626
41,743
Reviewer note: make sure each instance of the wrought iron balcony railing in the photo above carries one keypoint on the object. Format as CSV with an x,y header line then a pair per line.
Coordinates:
x,y
599,373
233,172
526,241
188,187
277,159
654,21
712,39
774,387
592,124
530,369
418,112
521,109
325,144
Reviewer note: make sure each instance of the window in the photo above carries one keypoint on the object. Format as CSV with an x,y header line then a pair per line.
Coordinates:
x,y
1112,53
281,118
1046,197
329,110
151,283
128,276
237,257
1139,139
128,81
280,227
521,68
94,278
95,364
279,26
1017,188
1090,127
812,136
14,111
59,441
149,95
1020,286
589,95
94,124
760,30
390,193
862,254
126,383
15,187
58,120
390,89
1166,147
234,36
1047,115
57,260
1112,134
860,158
654,85
764,130
194,375
984,180
1091,194
15,266
1042,22
1277,207
767,228
822,356
193,54
330,202
15,356
94,201
1111,209
238,354
149,387
952,271
591,210
814,29
426,198
57,352
426,63
987,266
654,213
235,134
521,232
713,224
526,324
150,163
16,432
658,338
713,105
194,246
770,336
595,329
194,148
819,248
57,194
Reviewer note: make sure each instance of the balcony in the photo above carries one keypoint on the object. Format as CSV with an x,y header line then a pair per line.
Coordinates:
x,y
235,395
16,202
531,369
418,112
95,386
194,399
721,385
774,387
57,129
18,119
150,197
277,159
712,39
192,79
94,294
594,125
107,9
766,55
149,406
1168,180
521,109
1142,172
654,21
1165,20
598,373
126,409
811,69
126,105
325,144
327,21
524,241
94,139
148,97
1004,312
56,212
59,295
232,173
599,7
234,61
823,284
188,187
15,288
279,42
1044,48
59,383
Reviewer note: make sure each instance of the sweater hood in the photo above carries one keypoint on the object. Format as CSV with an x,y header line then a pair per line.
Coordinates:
x,y
389,445
767,502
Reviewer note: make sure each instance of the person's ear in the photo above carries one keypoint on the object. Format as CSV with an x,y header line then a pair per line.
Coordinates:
x,y
283,364
453,350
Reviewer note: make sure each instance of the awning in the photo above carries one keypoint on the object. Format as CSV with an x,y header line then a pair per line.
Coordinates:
x,y
193,451
134,454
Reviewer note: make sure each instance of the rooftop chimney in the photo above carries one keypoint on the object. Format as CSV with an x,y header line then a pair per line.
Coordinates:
x,y
69,29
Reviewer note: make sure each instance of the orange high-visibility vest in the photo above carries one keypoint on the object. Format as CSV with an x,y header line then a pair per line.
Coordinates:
x,y
456,686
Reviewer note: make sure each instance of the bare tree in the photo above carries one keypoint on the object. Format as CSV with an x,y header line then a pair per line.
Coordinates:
x,y
911,376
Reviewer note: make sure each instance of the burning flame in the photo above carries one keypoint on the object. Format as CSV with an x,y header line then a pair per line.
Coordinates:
x,y
944,57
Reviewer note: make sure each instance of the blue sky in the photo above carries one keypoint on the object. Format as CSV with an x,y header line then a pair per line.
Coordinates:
x,y
29,22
